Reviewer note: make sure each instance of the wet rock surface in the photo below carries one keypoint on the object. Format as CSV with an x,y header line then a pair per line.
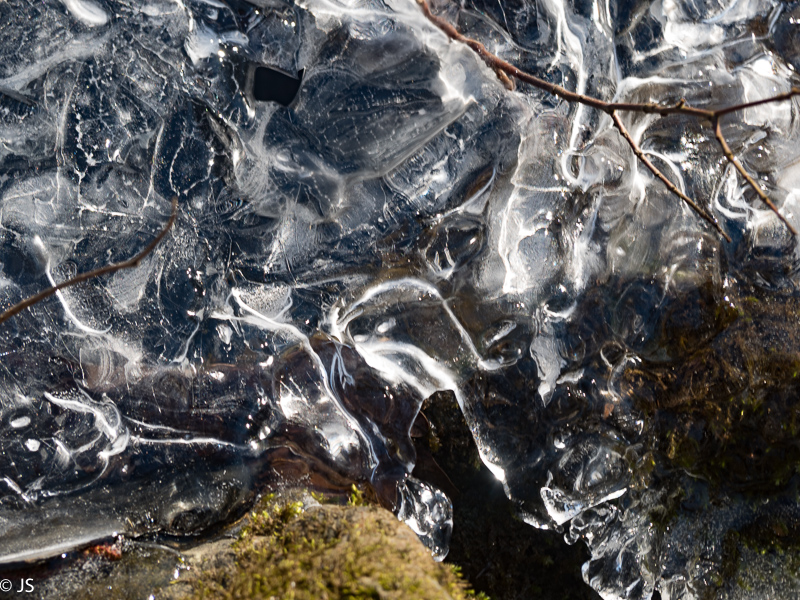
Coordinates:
x,y
290,546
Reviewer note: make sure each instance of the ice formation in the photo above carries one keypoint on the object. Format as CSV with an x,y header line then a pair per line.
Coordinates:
x,y
405,225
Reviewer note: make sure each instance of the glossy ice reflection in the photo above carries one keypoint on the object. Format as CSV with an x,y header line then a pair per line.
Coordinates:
x,y
404,226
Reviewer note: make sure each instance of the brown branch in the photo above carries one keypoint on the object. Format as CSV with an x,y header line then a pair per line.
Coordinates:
x,y
112,268
779,98
726,150
498,65
657,172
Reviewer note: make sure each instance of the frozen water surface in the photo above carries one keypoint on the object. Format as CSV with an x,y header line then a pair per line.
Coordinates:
x,y
405,225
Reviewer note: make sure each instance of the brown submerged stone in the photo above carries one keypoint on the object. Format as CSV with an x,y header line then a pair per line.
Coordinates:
x,y
727,408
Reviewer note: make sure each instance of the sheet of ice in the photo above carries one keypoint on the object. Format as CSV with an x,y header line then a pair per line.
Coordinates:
x,y
405,225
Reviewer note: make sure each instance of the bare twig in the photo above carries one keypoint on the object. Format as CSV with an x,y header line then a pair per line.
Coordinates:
x,y
779,98
498,65
657,172
112,268
726,150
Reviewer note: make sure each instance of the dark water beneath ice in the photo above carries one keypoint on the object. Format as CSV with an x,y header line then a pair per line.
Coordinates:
x,y
404,226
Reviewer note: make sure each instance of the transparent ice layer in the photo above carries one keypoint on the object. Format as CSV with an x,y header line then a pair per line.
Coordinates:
x,y
406,225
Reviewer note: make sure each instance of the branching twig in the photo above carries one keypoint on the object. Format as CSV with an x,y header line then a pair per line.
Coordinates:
x,y
657,172
498,65
112,268
726,150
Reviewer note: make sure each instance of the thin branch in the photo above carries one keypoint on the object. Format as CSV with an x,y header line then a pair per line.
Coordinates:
x,y
112,268
779,98
726,150
498,65
657,172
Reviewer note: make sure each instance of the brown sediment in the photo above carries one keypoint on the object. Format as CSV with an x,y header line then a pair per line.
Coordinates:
x,y
728,410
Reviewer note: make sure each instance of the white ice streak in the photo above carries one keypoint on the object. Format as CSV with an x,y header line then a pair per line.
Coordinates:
x,y
351,436
338,324
402,362
204,42
20,422
112,435
87,12
77,49
67,310
179,437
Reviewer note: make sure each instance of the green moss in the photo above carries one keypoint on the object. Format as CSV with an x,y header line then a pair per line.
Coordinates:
x,y
774,535
353,552
272,518
356,497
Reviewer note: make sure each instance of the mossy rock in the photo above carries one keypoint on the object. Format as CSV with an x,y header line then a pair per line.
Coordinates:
x,y
301,550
